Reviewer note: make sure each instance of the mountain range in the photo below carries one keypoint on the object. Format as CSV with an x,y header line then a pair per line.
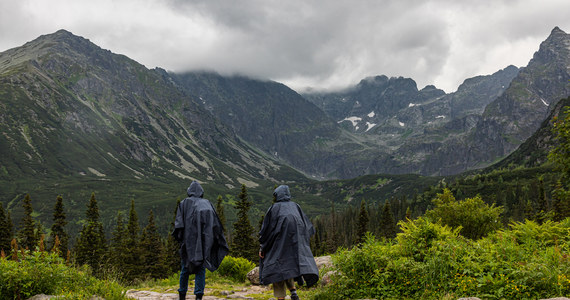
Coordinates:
x,y
76,118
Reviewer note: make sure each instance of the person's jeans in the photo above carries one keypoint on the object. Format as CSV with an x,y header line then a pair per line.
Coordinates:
x,y
199,280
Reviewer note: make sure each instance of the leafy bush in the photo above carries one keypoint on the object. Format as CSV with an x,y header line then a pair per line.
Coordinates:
x,y
46,273
235,268
431,261
475,218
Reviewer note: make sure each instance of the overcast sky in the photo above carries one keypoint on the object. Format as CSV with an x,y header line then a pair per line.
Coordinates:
x,y
303,43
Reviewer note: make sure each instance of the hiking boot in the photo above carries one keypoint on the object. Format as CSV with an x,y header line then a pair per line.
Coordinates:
x,y
199,296
181,295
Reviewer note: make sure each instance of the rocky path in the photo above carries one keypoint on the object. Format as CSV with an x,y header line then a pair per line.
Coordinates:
x,y
173,294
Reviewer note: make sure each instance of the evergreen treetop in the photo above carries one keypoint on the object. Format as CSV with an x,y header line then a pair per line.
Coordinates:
x,y
27,234
91,245
362,226
58,227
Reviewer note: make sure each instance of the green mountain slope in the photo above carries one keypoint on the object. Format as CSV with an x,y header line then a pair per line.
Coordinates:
x,y
77,119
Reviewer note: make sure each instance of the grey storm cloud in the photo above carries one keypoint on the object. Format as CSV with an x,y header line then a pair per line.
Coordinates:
x,y
319,44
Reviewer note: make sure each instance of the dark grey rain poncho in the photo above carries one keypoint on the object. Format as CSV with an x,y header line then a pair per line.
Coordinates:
x,y
284,239
199,230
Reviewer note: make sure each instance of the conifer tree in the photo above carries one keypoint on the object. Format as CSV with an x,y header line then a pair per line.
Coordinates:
x,y
132,261
362,225
6,230
152,256
118,248
221,213
27,234
387,221
561,203
543,207
332,235
57,229
40,233
244,244
91,246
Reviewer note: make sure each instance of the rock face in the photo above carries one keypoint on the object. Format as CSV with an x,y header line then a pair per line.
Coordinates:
x,y
266,114
515,115
115,117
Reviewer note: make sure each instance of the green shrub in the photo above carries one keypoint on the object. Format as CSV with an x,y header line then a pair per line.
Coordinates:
x,y
431,261
235,268
46,273
473,216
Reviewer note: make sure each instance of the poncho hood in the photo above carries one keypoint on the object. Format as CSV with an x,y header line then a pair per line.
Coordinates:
x,y
195,190
282,193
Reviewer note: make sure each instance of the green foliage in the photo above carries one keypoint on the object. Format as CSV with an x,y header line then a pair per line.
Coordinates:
x,y
27,234
235,268
244,244
387,222
47,273
418,236
221,213
91,246
153,256
132,255
560,156
118,247
6,229
473,216
362,226
57,229
431,261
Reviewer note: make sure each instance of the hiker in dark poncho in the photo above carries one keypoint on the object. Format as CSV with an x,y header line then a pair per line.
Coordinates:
x,y
203,245
285,249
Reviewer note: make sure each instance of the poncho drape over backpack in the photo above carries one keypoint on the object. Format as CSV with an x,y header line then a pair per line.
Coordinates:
x,y
284,240
199,230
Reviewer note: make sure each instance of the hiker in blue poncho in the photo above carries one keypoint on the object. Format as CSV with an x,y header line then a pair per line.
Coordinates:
x,y
284,246
203,245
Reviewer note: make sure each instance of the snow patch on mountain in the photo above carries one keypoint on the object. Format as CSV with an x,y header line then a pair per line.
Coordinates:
x,y
353,120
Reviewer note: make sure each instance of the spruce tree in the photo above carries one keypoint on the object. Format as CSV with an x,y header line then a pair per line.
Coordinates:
x,y
91,246
57,229
220,212
244,244
133,266
387,222
152,256
27,234
6,230
118,248
332,235
362,225
40,233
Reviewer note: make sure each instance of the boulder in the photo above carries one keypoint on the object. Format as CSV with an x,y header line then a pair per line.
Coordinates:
x,y
323,262
253,276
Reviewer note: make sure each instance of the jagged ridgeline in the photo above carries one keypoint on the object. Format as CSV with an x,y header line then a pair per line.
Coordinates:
x,y
77,119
